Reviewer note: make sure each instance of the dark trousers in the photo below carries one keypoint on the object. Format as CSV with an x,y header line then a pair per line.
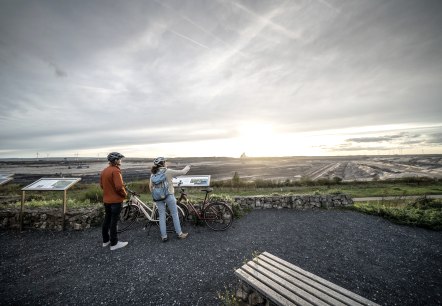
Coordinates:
x,y
112,214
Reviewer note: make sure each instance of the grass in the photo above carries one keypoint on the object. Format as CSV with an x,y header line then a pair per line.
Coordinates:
x,y
92,192
399,210
356,190
421,212
228,297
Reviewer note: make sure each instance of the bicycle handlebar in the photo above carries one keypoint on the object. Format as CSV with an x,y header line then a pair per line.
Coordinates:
x,y
130,191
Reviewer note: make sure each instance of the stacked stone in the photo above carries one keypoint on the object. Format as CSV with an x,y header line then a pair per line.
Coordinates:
x,y
246,295
300,202
47,218
83,218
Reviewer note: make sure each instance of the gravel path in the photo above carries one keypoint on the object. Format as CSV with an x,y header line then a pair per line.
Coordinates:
x,y
384,262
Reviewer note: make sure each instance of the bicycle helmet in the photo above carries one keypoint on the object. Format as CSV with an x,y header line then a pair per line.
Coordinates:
x,y
159,161
113,156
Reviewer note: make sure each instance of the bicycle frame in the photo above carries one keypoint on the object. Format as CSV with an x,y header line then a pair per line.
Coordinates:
x,y
146,210
217,215
184,200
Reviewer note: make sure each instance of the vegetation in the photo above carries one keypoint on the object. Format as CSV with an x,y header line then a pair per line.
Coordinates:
x,y
399,187
422,212
228,297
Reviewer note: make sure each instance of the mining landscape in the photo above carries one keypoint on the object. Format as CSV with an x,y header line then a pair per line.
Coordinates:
x,y
347,168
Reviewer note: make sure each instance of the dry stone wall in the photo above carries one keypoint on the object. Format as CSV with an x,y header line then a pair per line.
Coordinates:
x,y
78,219
299,202
52,218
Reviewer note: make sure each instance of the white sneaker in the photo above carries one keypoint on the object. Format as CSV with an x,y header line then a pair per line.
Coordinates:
x,y
119,245
105,244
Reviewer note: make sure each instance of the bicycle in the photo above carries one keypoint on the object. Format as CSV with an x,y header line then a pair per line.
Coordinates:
x,y
134,208
217,215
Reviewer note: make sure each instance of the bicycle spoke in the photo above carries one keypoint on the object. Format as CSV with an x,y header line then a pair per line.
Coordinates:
x,y
218,216
128,216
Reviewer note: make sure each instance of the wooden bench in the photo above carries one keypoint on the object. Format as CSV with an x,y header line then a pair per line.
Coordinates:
x,y
283,283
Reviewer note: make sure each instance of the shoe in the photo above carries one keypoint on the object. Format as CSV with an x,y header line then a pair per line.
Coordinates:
x,y
105,244
183,235
119,245
165,239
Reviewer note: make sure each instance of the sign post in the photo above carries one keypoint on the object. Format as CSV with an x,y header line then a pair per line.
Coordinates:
x,y
49,184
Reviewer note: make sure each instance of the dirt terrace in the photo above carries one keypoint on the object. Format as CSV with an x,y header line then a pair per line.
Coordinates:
x,y
281,168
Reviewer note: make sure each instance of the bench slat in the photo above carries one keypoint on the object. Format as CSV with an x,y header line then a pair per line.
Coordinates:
x,y
264,289
318,286
355,297
255,268
323,295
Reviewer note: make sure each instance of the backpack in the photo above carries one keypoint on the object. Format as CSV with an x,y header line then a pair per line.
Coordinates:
x,y
160,186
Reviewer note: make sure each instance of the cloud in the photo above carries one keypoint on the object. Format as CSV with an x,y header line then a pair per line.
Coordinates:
x,y
58,72
374,139
184,66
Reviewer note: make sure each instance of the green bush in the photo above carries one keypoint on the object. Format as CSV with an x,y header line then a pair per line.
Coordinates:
x,y
423,212
94,194
238,212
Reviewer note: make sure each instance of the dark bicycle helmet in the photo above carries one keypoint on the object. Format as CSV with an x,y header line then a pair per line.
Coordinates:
x,y
159,161
113,156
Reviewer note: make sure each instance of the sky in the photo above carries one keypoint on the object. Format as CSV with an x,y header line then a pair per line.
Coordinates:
x,y
220,78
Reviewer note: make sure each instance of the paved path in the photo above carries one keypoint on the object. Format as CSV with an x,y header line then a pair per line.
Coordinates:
x,y
384,262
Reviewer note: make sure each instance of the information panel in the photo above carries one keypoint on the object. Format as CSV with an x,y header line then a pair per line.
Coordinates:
x,y
191,181
52,183
5,178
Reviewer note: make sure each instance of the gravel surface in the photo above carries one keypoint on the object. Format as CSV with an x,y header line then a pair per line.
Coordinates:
x,y
387,263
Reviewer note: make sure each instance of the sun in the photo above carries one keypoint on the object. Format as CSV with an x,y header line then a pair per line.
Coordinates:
x,y
253,138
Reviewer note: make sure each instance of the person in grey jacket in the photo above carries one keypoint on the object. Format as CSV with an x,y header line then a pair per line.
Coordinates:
x,y
159,164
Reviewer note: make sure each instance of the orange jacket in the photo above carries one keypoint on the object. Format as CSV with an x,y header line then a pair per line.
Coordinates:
x,y
112,184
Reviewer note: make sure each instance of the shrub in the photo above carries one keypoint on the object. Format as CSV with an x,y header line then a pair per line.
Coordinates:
x,y
424,214
94,194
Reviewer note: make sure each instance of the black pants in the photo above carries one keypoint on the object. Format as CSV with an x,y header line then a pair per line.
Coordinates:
x,y
112,214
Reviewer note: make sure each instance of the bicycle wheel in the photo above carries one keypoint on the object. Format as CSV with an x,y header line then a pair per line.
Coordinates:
x,y
185,210
218,216
128,216
170,228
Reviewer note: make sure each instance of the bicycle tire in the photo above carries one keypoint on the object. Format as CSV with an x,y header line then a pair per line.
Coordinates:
x,y
170,228
185,210
218,216
128,215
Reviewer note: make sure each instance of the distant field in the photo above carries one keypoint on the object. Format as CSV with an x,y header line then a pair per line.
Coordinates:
x,y
348,168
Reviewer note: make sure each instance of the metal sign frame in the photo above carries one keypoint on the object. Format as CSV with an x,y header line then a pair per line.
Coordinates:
x,y
49,184
192,181
6,178
52,184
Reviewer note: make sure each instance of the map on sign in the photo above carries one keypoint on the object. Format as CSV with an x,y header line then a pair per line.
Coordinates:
x,y
52,183
5,178
191,180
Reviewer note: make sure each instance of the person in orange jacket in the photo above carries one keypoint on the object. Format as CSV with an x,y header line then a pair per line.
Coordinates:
x,y
114,193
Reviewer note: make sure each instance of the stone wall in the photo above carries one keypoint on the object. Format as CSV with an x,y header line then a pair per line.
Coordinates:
x,y
52,218
300,202
78,219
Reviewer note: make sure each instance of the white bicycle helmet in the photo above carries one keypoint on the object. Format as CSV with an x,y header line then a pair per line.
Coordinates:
x,y
113,156
159,161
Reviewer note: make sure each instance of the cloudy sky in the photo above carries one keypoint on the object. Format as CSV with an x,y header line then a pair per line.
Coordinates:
x,y
219,78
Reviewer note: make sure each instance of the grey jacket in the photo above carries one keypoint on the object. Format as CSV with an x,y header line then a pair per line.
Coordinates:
x,y
170,174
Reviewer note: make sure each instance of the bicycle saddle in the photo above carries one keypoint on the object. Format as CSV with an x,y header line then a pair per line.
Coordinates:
x,y
207,189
